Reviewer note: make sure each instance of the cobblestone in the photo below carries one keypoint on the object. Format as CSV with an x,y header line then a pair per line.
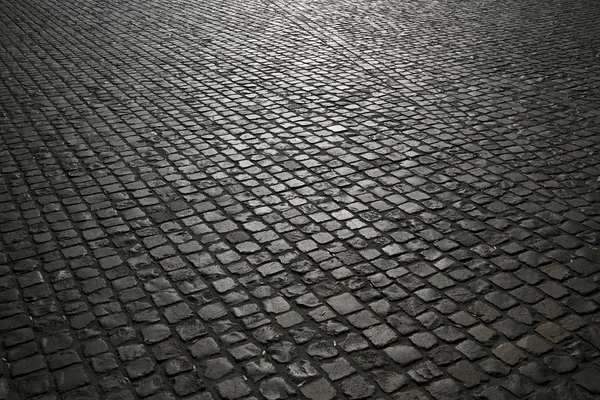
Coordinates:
x,y
272,199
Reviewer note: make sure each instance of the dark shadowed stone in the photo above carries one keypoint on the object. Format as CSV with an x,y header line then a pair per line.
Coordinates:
x,y
27,365
561,363
113,381
71,378
466,373
32,386
103,363
148,386
187,384
140,367
517,385
538,373
569,391
413,394
589,378
493,393
85,392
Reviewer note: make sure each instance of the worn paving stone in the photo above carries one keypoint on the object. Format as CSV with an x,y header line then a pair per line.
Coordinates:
x,y
216,368
140,367
276,388
344,304
341,194
424,372
257,370
357,388
320,389
338,369
233,388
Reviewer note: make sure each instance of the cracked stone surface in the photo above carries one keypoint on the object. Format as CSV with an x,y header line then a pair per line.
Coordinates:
x,y
268,199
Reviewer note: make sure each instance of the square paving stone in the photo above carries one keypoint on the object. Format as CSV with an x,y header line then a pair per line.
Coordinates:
x,y
276,305
276,388
212,311
344,304
289,319
187,384
509,353
403,355
445,389
233,388
381,335
357,388
339,368
103,363
319,390
140,367
149,386
177,313
204,347
216,368
190,330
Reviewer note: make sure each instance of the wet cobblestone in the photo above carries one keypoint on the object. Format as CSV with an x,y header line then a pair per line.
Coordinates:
x,y
327,199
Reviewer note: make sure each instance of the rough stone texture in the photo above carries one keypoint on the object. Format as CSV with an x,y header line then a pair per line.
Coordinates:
x,y
317,199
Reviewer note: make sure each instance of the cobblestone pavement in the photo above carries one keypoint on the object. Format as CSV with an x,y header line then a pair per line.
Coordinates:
x,y
270,199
